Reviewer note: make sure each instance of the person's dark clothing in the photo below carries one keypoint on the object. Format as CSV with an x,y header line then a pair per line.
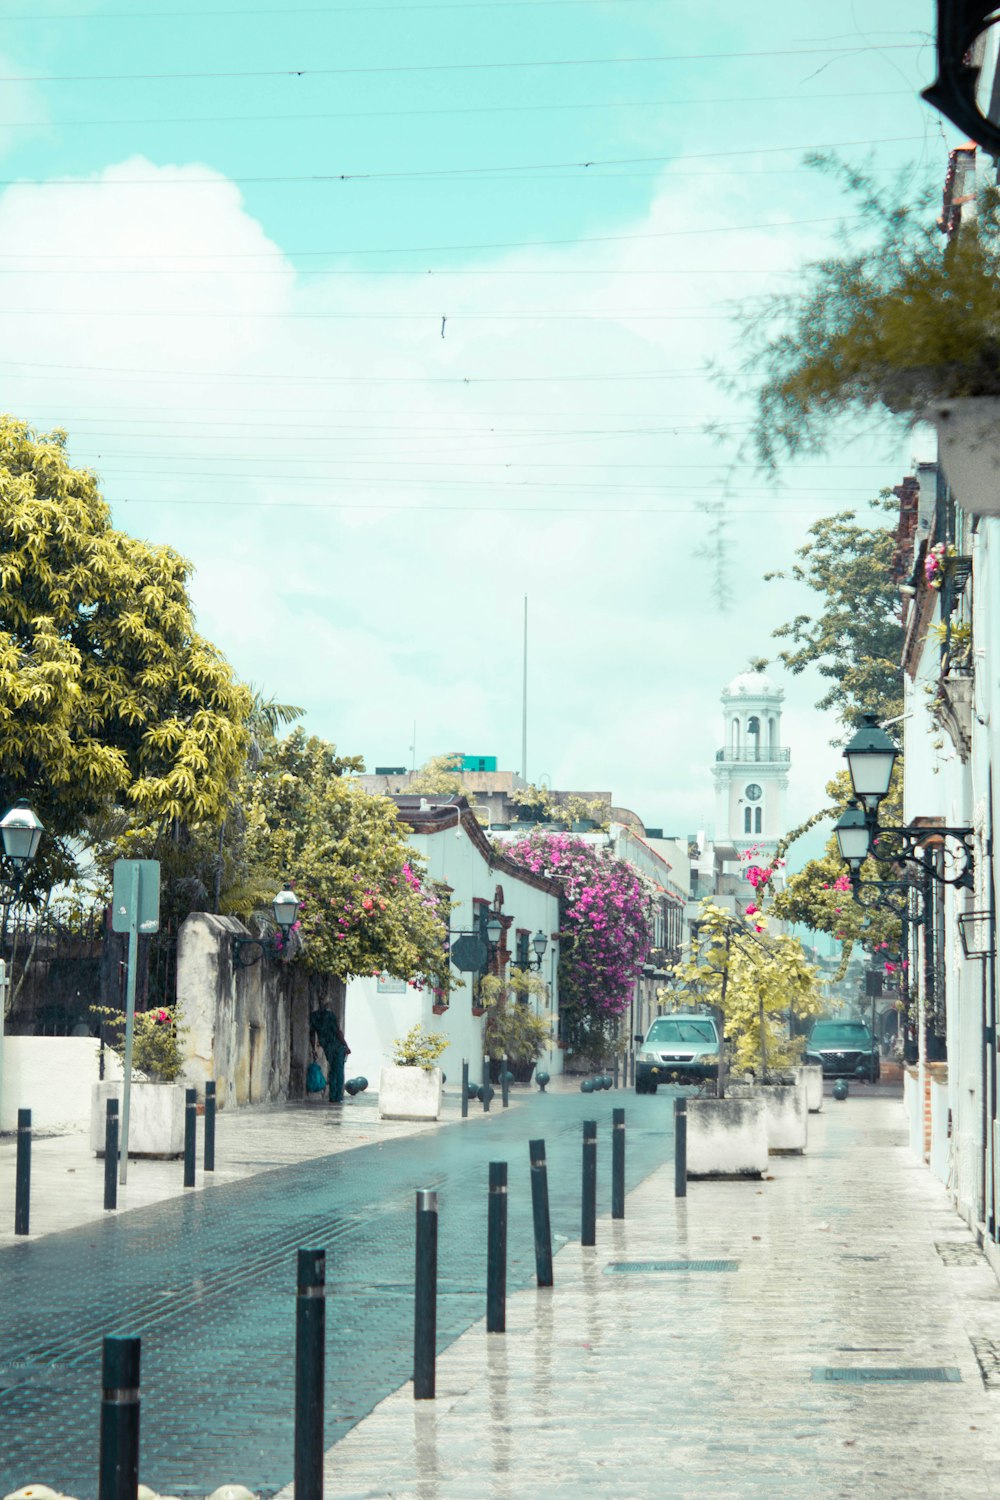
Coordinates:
x,y
334,1046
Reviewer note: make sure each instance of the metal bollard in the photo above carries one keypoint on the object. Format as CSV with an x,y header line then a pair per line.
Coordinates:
x,y
210,1125
618,1164
425,1296
190,1129
496,1250
465,1089
588,1228
614,1075
111,1155
680,1148
22,1177
504,1082
118,1474
540,1213
487,1088
310,1352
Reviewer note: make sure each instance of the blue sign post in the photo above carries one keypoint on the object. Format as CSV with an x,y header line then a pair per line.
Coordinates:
x,y
135,908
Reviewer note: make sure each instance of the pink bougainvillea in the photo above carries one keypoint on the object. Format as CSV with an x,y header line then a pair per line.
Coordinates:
x,y
604,926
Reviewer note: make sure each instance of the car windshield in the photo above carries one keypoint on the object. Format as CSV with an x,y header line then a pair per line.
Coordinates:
x,y
840,1034
670,1029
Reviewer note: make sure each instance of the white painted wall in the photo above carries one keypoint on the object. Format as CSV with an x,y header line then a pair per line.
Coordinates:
x,y
53,1077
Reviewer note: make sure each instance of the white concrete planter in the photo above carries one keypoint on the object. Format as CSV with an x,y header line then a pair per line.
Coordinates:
x,y
409,1093
156,1117
726,1137
786,1115
811,1077
968,430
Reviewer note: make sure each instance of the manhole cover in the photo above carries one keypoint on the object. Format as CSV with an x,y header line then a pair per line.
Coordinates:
x,y
651,1267
870,1375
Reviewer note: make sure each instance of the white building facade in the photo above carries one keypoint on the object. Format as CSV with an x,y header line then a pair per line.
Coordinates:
x,y
751,768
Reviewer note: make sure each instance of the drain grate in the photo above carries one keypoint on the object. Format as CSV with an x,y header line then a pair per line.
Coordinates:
x,y
960,1253
651,1267
864,1375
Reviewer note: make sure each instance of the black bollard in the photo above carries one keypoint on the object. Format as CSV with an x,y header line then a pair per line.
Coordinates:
x,y
118,1476
425,1296
310,1350
504,1083
496,1250
487,1091
540,1213
618,1164
465,1089
111,1155
210,1125
588,1229
190,1128
614,1076
22,1177
680,1148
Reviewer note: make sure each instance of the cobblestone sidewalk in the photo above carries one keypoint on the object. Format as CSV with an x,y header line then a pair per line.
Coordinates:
x,y
704,1384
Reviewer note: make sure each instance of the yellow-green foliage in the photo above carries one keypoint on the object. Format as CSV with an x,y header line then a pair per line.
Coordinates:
x,y
736,975
107,692
418,1048
156,1038
512,1029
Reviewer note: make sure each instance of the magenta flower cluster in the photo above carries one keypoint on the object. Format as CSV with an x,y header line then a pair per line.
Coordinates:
x,y
604,919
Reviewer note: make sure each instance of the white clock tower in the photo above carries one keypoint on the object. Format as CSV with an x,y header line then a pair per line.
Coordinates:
x,y
751,769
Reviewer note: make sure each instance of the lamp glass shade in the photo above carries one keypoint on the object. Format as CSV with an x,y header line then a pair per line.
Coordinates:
x,y
539,942
285,906
494,930
21,831
853,837
870,757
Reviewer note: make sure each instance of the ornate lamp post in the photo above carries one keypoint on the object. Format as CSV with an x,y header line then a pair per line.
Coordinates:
x,y
285,907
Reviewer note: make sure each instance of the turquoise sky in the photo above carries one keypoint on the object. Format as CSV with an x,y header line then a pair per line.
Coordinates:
x,y
388,315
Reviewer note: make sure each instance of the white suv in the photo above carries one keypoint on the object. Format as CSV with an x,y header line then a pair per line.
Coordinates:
x,y
677,1049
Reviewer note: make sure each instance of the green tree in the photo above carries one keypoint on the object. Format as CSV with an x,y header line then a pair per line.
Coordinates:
x,y
108,696
744,977
855,638
441,776
366,906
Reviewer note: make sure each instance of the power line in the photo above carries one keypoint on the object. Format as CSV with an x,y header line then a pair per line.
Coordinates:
x,y
466,380
524,510
325,178
431,316
465,67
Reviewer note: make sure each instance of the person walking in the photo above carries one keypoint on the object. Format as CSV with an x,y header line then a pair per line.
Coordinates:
x,y
327,1033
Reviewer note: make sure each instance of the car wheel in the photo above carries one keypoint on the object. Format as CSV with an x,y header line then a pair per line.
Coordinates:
x,y
651,1088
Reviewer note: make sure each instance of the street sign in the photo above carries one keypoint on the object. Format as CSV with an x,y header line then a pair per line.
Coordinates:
x,y
146,916
389,986
469,954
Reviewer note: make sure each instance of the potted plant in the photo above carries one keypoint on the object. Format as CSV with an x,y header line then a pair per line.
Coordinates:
x,y
513,1032
410,1088
901,319
156,1098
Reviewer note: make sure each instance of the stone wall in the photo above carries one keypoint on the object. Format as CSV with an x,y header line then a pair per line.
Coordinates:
x,y
247,1028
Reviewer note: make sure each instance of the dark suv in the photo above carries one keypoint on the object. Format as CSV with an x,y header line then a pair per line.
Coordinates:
x,y
844,1049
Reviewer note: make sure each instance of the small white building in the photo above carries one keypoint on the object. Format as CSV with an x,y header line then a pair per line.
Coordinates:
x,y
751,768
459,856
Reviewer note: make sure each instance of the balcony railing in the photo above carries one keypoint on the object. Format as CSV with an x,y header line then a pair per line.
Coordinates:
x,y
748,756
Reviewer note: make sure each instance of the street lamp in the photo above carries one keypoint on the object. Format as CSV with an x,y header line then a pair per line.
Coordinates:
x,y
285,907
539,942
853,838
21,831
871,756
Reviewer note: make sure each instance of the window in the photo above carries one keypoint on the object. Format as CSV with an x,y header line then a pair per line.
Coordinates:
x,y
521,955
735,734
753,734
747,814
757,819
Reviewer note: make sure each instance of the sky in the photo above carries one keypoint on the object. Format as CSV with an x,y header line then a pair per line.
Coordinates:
x,y
387,316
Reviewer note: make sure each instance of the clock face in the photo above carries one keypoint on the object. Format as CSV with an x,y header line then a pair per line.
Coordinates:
x,y
753,792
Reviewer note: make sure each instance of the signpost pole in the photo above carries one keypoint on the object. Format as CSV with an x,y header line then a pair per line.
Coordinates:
x,y
3,1015
133,956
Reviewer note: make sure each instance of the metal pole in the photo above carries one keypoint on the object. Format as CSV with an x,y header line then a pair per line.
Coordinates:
x,y
524,697
504,1083
22,1178
111,1155
210,1125
614,1076
496,1250
763,1043
588,1227
425,1297
3,1016
133,957
190,1128
618,1164
487,1089
540,1213
465,1089
118,1477
680,1148
310,1349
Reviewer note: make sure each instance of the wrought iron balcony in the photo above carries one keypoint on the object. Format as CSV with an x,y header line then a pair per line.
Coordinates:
x,y
747,755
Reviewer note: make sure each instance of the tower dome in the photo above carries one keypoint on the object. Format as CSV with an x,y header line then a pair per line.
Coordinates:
x,y
751,684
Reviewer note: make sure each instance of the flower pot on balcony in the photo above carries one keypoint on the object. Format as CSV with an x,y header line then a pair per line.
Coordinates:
x,y
408,1093
968,430
156,1117
726,1137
